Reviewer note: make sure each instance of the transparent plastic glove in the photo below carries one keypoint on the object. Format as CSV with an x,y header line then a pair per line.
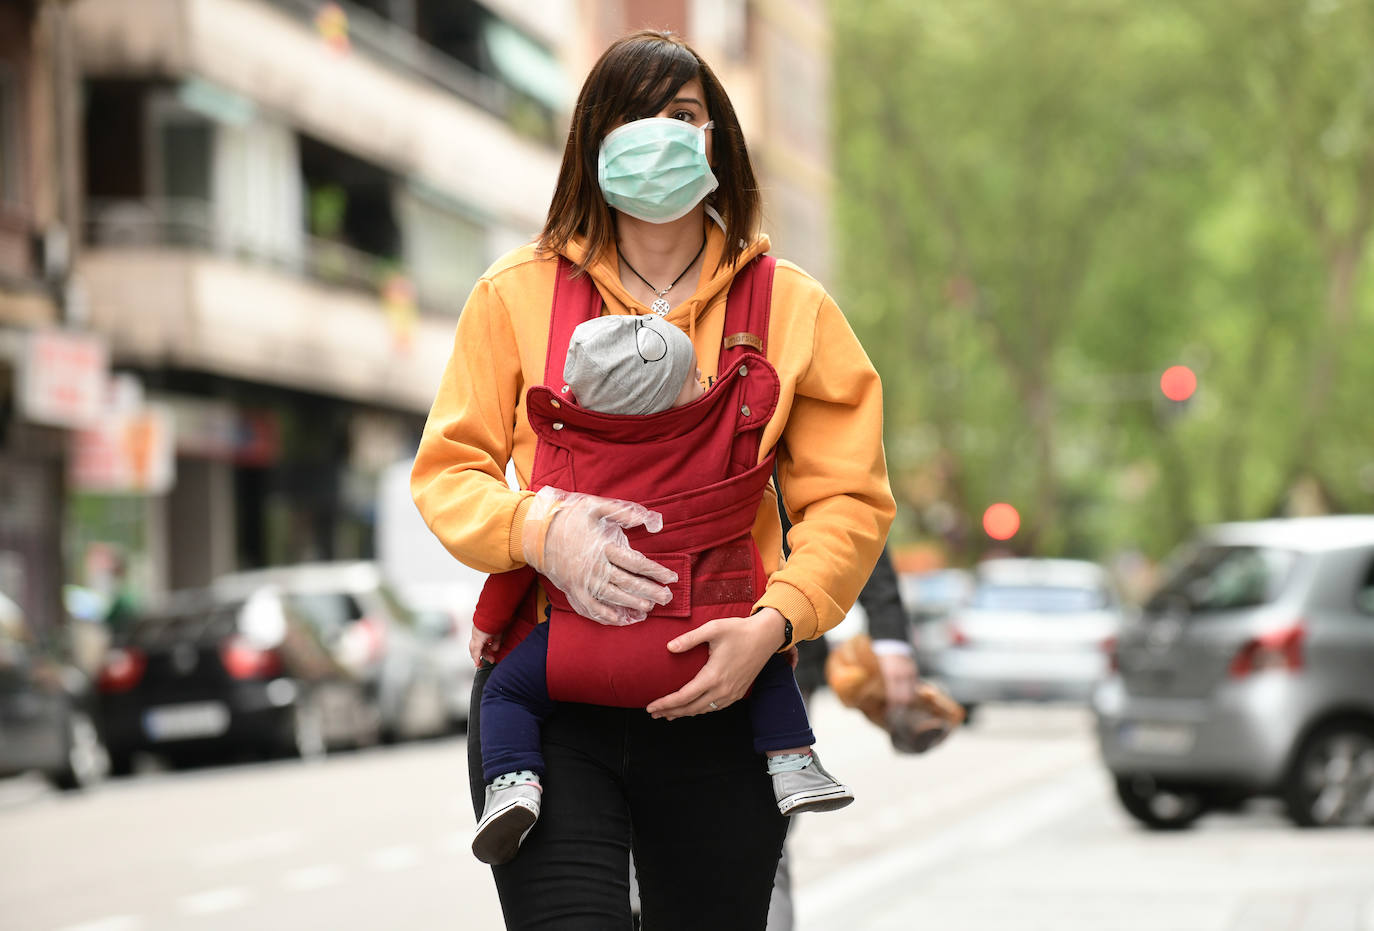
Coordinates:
x,y
578,542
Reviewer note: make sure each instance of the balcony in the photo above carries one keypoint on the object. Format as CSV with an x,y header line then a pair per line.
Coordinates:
x,y
388,99
169,289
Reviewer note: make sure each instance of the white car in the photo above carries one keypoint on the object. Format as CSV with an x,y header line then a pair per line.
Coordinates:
x,y
443,615
1031,629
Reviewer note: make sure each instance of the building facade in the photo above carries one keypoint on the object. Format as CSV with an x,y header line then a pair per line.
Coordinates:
x,y
284,204
52,372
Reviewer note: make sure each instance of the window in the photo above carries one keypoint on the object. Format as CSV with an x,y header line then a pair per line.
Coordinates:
x,y
327,612
1047,599
10,169
445,251
1364,595
1222,578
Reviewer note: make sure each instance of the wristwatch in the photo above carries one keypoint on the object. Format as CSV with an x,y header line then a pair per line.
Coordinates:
x,y
786,634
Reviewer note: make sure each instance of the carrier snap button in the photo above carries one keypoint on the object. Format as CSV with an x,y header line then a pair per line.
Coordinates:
x,y
744,370
553,402
558,426
744,410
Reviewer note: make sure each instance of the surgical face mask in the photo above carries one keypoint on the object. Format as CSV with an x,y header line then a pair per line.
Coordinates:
x,y
655,169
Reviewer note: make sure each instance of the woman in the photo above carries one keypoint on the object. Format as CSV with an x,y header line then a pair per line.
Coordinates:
x,y
661,218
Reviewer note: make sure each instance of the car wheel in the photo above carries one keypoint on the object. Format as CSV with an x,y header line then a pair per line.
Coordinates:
x,y
86,761
121,763
1331,781
1159,808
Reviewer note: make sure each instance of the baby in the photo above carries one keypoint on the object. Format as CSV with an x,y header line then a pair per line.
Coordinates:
x,y
627,365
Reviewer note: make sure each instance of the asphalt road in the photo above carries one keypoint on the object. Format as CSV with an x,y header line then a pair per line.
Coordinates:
x,y
1009,824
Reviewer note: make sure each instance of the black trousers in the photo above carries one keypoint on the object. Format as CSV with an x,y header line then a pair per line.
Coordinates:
x,y
692,798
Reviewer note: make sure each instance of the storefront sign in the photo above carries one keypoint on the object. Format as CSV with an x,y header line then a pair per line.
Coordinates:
x,y
63,378
129,452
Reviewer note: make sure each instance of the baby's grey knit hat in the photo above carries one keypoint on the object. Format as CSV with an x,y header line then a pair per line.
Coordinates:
x,y
621,364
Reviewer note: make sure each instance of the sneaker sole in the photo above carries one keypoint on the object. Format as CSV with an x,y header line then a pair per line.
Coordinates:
x,y
498,839
823,800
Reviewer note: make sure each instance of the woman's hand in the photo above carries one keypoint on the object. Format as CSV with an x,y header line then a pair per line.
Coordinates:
x,y
578,543
739,648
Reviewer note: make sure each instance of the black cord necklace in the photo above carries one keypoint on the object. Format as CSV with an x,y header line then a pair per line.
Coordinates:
x,y
660,306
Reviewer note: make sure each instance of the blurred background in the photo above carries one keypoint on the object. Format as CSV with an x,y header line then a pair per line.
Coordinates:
x,y
1109,258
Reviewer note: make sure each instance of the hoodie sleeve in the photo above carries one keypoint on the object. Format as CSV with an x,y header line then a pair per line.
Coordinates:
x,y
832,478
459,476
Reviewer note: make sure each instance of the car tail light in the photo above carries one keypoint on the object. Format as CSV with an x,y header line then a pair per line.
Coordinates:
x,y
372,632
1113,660
242,660
957,637
1278,649
122,670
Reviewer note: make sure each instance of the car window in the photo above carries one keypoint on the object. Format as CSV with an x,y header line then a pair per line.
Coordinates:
x,y
1049,599
1222,578
327,612
1364,595
399,610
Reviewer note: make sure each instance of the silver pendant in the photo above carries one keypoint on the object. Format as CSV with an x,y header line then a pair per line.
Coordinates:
x,y
659,307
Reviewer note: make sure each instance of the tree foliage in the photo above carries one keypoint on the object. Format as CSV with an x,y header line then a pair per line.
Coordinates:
x,y
1042,204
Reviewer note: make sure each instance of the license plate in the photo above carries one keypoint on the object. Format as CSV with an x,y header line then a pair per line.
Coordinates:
x,y
1165,739
186,722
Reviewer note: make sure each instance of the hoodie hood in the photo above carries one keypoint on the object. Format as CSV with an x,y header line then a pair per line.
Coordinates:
x,y
714,281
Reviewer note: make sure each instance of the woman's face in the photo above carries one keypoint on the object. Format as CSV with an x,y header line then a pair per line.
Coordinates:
x,y
689,105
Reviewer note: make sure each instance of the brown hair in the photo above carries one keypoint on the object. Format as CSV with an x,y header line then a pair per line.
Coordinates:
x,y
634,78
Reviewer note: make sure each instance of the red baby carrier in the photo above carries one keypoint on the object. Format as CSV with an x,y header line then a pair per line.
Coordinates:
x,y
697,465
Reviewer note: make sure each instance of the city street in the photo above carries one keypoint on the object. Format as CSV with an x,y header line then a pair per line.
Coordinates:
x,y
1010,824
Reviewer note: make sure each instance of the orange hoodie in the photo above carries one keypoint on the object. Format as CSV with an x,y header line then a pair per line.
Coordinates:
x,y
829,420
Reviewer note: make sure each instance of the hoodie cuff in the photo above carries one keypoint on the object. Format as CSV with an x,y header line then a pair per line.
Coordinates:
x,y
516,542
793,605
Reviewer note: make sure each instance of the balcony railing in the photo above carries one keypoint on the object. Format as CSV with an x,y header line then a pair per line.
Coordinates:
x,y
190,223
407,52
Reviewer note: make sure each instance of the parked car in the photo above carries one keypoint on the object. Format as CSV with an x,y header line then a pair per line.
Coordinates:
x,y
1031,629
929,597
210,670
443,618
369,630
46,719
1250,672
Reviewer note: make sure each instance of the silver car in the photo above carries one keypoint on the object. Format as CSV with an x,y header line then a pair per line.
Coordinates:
x,y
369,630
1031,629
1250,672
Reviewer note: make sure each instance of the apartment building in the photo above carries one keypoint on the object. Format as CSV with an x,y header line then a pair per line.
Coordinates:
x,y
286,203
51,372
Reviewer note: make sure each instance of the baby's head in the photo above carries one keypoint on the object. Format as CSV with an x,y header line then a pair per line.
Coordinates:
x,y
631,365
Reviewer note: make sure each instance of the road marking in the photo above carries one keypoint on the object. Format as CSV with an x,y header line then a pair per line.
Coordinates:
x,y
391,859
246,849
313,877
109,923
214,900
827,901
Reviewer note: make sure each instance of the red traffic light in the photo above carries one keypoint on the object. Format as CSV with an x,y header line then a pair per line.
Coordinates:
x,y
1001,521
1178,383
